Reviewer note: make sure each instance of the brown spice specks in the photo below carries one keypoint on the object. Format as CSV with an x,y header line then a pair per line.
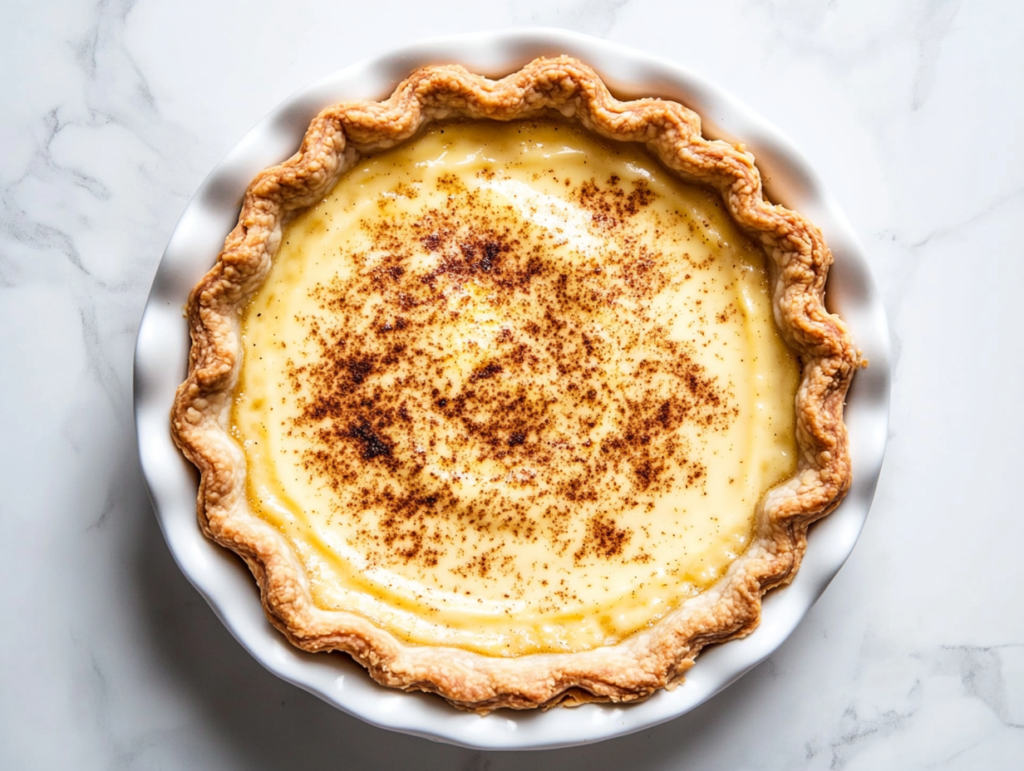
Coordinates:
x,y
466,383
603,539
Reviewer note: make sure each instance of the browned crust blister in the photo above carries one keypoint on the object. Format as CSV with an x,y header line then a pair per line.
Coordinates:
x,y
647,661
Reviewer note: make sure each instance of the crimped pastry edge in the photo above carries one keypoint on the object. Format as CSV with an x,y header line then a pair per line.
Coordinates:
x,y
649,660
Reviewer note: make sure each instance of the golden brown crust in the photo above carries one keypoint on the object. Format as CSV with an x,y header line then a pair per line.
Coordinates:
x,y
653,659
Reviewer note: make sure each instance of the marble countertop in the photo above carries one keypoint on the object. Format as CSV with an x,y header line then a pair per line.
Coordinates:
x,y
115,111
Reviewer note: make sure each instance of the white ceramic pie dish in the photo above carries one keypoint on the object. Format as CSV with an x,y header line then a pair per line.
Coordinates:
x,y
162,354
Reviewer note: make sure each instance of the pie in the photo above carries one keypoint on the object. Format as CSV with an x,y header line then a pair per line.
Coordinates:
x,y
514,392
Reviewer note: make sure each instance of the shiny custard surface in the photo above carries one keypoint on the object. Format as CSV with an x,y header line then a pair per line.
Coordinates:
x,y
515,389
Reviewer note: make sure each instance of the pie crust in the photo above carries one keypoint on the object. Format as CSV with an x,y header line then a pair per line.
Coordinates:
x,y
657,657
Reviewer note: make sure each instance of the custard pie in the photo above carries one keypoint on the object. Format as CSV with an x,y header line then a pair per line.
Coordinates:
x,y
515,392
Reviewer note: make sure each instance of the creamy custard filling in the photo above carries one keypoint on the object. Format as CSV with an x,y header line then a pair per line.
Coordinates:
x,y
515,389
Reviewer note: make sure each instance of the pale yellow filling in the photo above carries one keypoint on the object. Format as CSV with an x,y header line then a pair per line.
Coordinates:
x,y
514,389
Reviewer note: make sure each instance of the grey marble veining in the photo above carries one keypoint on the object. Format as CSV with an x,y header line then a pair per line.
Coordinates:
x,y
114,111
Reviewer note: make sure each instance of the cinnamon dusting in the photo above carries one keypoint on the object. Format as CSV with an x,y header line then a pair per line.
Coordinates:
x,y
560,417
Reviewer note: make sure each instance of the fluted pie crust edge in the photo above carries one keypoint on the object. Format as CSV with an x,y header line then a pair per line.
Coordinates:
x,y
655,658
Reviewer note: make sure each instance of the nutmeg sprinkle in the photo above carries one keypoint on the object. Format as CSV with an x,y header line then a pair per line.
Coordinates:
x,y
500,398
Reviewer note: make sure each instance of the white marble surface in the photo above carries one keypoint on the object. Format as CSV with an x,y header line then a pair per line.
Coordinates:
x,y
114,111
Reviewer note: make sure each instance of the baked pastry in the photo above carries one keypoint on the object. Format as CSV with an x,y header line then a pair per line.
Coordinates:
x,y
528,434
